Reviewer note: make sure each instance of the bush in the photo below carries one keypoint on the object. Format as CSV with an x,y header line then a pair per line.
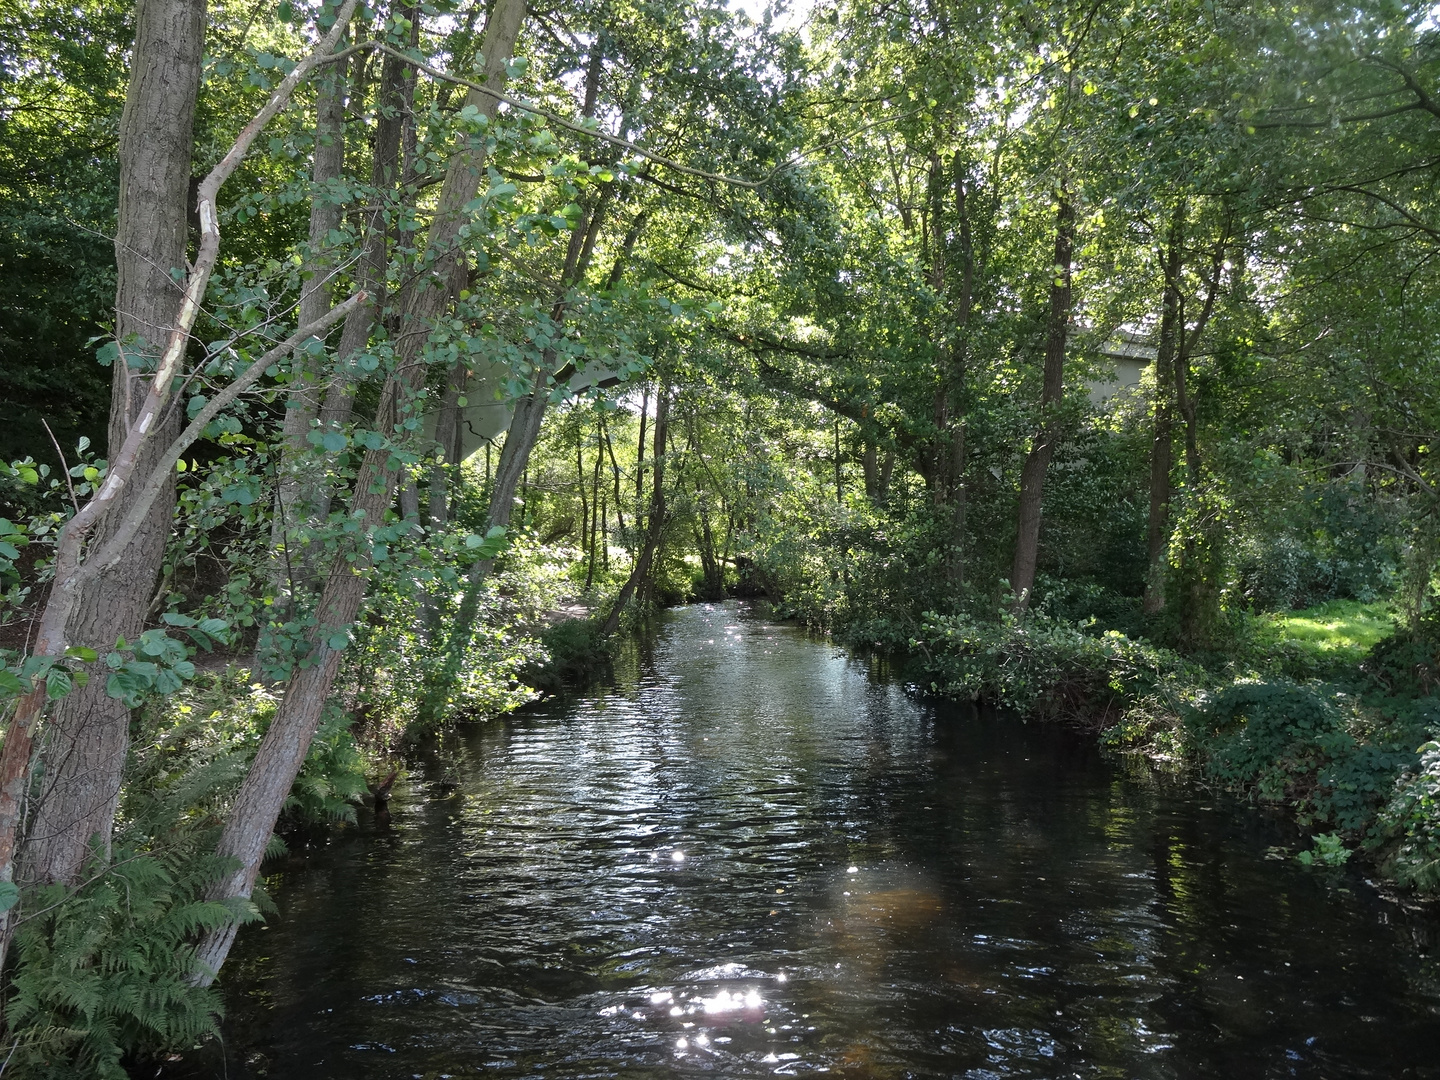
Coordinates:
x,y
1411,821
1407,664
214,726
1332,757
104,973
1269,737
1045,667
576,651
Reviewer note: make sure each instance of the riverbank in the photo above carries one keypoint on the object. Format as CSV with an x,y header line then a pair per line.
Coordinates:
x,y
1330,713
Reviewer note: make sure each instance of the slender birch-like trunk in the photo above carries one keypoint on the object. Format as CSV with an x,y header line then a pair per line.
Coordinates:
x,y
1162,449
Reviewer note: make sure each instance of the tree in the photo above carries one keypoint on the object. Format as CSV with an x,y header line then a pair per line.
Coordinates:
x,y
88,734
144,463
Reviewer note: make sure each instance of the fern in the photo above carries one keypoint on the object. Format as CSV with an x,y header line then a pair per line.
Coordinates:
x,y
104,971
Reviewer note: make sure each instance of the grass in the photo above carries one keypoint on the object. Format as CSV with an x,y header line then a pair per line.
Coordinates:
x,y
1337,630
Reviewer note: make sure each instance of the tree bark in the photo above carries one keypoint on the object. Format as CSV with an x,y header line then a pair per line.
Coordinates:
x,y
297,484
1162,449
88,736
303,405
338,401
282,751
1032,477
447,440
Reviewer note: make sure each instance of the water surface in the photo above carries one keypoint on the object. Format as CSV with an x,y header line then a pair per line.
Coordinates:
x,y
754,857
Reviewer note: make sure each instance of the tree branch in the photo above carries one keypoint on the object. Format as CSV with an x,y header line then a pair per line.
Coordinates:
x,y
155,483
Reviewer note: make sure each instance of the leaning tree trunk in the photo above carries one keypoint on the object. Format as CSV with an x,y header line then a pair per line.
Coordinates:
x,y
1032,477
522,435
88,736
282,751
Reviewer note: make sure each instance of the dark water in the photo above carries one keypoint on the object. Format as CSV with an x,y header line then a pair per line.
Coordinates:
x,y
754,858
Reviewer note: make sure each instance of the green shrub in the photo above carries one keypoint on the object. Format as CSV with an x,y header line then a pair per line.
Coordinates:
x,y
576,650
1044,667
1407,664
1269,738
1329,850
1334,758
102,972
218,723
1411,821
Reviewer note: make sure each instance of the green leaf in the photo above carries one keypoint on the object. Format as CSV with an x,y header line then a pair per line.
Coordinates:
x,y
10,683
338,641
333,441
57,683
9,895
80,652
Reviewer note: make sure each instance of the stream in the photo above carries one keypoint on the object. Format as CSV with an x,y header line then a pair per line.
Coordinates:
x,y
756,855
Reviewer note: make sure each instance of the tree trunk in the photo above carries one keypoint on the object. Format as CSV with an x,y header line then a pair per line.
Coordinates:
x,y
296,489
293,495
1202,552
339,397
88,736
447,440
615,470
282,751
655,528
523,433
640,460
1162,450
597,514
1032,477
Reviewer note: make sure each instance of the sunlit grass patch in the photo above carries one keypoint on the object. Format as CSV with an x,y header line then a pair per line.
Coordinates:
x,y
1337,626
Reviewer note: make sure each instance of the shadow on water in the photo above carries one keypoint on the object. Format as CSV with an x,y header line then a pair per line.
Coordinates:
x,y
753,856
